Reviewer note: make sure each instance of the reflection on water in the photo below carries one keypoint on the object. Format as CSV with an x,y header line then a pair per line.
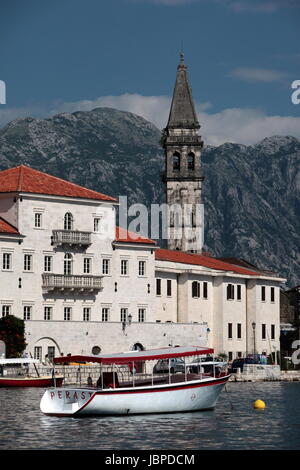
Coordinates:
x,y
234,424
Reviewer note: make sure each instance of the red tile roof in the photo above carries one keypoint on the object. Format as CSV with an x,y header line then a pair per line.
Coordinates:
x,y
27,180
5,227
200,260
125,236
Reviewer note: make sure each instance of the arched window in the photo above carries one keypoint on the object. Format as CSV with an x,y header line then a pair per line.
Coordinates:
x,y
68,260
176,161
68,221
195,289
191,161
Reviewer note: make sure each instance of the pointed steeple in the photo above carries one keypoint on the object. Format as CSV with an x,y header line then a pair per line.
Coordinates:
x,y
182,113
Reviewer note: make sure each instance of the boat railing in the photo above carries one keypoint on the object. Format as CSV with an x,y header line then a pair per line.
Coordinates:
x,y
136,375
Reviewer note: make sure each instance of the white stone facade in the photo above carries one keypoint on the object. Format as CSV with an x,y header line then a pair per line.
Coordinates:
x,y
64,271
244,324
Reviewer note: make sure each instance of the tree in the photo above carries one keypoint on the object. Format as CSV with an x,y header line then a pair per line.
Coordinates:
x,y
12,332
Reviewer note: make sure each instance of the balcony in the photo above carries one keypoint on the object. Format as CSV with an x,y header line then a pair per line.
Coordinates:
x,y
71,237
79,283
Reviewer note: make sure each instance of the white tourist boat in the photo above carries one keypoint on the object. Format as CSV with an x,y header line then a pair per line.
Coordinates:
x,y
128,384
16,372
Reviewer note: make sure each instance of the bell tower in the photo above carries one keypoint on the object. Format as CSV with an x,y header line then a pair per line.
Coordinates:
x,y
183,176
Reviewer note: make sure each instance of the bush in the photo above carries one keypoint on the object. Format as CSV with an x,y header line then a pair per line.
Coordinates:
x,y
12,332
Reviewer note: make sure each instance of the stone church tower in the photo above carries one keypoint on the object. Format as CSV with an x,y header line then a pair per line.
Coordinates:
x,y
183,176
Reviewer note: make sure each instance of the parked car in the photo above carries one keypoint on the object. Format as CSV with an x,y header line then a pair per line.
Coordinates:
x,y
207,365
239,364
258,358
175,364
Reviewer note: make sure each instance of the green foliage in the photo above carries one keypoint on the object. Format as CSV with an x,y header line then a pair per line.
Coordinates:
x,y
12,332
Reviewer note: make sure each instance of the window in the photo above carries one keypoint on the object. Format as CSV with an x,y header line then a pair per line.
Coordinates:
x,y
47,263
51,353
67,313
239,292
272,294
193,219
87,265
158,286
263,331
106,266
195,289
272,331
96,224
124,267
230,292
6,261
68,221
142,268
205,294
86,314
123,316
169,287
142,315
191,161
230,355
229,330
37,354
6,310
27,262
176,161
105,314
47,313
37,220
239,330
263,293
27,312
68,259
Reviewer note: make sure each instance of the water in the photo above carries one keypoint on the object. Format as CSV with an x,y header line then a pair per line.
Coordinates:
x,y
23,426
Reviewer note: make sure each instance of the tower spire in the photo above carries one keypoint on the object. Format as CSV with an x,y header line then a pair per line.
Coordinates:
x,y
182,112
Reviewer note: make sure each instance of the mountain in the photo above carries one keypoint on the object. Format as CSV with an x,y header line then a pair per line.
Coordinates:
x,y
250,193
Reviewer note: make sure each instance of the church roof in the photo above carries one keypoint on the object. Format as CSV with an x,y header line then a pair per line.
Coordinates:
x,y
123,235
27,180
182,112
200,260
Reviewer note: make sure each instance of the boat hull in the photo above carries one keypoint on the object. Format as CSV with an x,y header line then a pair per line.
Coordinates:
x,y
46,381
184,396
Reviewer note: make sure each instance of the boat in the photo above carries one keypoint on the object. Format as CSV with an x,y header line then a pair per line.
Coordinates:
x,y
121,390
15,372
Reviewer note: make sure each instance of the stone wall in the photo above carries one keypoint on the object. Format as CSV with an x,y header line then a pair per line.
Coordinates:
x,y
81,337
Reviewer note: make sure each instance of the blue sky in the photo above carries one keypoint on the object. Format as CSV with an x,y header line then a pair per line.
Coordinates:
x,y
242,56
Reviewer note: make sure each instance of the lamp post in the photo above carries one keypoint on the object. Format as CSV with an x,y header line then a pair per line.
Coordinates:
x,y
253,327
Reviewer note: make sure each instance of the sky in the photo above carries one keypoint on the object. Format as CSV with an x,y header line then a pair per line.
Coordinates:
x,y
70,55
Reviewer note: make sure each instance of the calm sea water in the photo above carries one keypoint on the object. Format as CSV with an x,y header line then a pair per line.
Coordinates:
x,y
234,424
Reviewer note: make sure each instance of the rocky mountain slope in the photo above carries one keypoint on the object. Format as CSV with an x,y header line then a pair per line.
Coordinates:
x,y
251,193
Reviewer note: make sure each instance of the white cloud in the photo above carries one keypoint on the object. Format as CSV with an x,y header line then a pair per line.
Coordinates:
x,y
264,6
153,108
241,125
245,126
250,74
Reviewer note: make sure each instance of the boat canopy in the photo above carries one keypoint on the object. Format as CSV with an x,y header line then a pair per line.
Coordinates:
x,y
18,360
137,356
